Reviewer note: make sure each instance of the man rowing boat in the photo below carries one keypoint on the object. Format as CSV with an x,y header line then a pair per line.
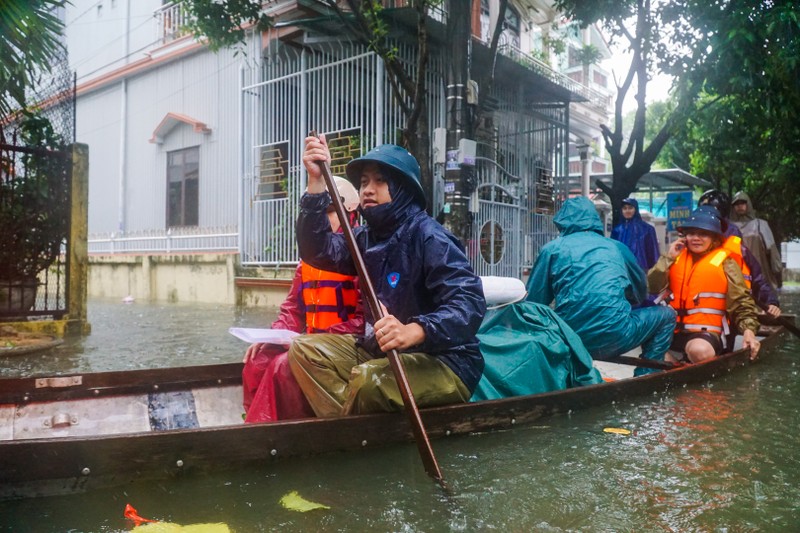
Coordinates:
x,y
420,273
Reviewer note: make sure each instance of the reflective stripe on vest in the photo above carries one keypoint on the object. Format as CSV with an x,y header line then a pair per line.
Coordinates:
x,y
327,298
733,245
699,292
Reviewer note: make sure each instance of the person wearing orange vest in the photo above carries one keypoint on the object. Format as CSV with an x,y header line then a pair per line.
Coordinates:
x,y
708,290
319,301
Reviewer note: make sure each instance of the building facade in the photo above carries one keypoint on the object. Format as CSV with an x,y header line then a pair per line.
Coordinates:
x,y
195,170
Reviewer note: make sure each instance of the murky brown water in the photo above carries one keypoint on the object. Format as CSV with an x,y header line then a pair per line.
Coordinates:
x,y
722,456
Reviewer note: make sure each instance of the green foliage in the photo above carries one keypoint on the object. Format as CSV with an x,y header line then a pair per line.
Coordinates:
x,y
34,202
588,55
224,23
737,145
554,44
749,138
29,41
744,58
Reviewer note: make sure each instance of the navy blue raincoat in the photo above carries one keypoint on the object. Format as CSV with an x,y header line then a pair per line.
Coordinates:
x,y
638,236
420,273
762,290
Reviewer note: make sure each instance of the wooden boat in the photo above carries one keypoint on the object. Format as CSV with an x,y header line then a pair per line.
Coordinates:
x,y
65,434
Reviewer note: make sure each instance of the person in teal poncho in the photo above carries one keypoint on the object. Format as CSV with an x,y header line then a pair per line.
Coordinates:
x,y
595,281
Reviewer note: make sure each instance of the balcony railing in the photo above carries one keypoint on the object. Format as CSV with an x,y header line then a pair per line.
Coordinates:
x,y
541,68
171,20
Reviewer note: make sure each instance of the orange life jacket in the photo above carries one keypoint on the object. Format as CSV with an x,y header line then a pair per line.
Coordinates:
x,y
699,291
734,245
328,298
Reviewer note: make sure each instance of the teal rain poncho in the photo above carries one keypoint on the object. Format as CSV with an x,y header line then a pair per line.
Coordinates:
x,y
529,350
594,281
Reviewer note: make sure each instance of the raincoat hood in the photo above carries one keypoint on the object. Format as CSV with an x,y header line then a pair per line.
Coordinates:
x,y
576,215
639,236
636,214
751,213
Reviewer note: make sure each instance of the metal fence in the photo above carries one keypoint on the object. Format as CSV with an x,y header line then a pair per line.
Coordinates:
x,y
173,240
341,89
35,187
336,88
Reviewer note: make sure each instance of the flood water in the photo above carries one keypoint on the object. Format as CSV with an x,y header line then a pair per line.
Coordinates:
x,y
721,456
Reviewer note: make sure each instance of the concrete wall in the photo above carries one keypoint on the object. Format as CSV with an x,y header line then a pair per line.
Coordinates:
x,y
194,277
790,254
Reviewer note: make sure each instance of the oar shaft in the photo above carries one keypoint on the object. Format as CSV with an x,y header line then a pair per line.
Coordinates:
x,y
368,292
782,320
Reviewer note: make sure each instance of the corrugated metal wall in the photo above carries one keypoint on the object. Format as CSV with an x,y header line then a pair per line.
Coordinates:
x,y
203,86
98,126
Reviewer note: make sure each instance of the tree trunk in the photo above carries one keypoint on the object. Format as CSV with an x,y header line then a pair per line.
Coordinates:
x,y
419,144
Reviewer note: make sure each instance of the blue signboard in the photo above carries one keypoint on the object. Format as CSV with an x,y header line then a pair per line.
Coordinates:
x,y
679,207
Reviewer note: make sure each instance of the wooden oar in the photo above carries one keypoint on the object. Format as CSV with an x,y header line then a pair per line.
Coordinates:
x,y
423,442
782,320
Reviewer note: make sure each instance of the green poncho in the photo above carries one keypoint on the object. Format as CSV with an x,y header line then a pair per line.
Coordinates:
x,y
529,350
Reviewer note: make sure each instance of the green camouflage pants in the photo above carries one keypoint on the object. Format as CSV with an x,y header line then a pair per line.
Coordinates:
x,y
338,377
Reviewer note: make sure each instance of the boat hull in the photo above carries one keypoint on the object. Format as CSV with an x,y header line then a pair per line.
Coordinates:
x,y
59,465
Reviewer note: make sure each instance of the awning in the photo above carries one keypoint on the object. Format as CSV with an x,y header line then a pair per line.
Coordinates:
x,y
672,179
655,185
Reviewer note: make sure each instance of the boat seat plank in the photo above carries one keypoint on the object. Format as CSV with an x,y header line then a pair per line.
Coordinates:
x,y
219,407
76,418
6,422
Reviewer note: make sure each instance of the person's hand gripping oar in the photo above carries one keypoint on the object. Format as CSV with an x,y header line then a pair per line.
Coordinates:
x,y
786,322
378,311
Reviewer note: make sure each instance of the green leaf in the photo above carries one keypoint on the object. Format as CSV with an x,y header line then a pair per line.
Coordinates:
x,y
294,502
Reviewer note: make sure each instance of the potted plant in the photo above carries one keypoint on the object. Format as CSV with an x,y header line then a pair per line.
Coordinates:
x,y
34,210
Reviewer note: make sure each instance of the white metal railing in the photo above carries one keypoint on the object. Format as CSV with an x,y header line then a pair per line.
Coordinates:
x,y
166,241
171,21
541,68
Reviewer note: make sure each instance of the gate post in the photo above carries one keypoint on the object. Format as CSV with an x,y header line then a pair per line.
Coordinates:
x,y
78,249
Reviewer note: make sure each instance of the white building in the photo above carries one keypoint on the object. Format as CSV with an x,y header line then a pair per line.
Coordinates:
x,y
194,156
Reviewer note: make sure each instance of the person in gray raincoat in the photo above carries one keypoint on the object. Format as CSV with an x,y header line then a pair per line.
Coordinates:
x,y
757,236
595,281
434,300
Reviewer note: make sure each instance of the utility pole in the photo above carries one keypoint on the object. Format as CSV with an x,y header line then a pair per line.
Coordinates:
x,y
459,179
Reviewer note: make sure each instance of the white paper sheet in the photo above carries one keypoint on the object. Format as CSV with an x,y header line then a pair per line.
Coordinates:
x,y
282,337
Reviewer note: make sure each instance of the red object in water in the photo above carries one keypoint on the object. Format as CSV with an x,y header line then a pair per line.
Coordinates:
x,y
132,514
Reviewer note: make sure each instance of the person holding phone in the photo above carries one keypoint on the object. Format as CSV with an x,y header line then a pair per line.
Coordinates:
x,y
763,293
706,288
